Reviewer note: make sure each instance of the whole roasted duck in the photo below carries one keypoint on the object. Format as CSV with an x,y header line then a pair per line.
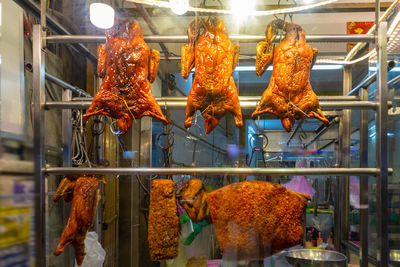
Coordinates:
x,y
128,67
289,94
252,219
85,195
214,56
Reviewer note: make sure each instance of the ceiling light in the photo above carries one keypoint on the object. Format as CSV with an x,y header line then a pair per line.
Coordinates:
x,y
101,15
179,7
242,9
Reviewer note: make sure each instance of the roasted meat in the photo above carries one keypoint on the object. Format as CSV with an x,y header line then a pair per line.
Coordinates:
x,y
289,95
213,90
252,219
128,66
192,197
163,225
84,203
255,219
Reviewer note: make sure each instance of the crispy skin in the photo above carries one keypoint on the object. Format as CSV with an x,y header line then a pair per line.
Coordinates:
x,y
289,86
164,225
85,199
125,93
65,189
192,197
255,219
213,90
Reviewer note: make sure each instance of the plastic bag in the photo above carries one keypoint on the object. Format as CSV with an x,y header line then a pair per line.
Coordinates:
x,y
95,254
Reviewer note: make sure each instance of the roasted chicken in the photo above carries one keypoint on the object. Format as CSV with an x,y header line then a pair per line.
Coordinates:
x,y
128,67
214,56
289,95
192,197
164,225
254,219
84,192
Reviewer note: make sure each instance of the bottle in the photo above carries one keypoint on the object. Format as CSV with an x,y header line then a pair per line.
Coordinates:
x,y
319,241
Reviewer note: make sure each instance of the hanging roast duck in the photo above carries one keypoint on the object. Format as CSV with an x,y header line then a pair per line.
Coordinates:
x,y
128,67
289,95
214,56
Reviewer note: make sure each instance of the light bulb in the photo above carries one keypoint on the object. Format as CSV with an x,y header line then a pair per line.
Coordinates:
x,y
242,9
179,7
101,15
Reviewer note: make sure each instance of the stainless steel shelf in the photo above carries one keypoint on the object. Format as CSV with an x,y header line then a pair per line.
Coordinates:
x,y
317,38
217,171
244,103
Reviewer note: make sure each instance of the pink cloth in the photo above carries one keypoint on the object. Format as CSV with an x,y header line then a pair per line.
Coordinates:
x,y
300,184
214,263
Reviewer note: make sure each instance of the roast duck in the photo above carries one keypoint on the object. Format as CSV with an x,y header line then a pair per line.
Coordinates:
x,y
289,95
214,57
128,67
252,219
83,191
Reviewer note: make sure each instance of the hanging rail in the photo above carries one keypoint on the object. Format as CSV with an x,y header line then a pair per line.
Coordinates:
x,y
245,104
65,85
317,38
217,171
369,80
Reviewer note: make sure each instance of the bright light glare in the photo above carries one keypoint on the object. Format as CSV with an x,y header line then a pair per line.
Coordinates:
x,y
101,15
179,7
241,9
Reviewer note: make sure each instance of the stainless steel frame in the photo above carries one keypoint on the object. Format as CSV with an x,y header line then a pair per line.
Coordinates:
x,y
38,97
240,38
216,171
339,103
382,146
325,105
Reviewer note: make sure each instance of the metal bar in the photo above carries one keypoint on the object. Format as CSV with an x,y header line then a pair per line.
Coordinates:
x,y
369,80
65,85
216,171
324,130
345,140
38,149
220,150
336,105
51,23
294,132
394,81
382,147
364,183
318,38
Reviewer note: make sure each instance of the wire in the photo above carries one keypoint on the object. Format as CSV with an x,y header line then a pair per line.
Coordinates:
x,y
79,153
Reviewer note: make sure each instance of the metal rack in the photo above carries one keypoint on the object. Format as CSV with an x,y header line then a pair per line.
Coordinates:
x,y
345,103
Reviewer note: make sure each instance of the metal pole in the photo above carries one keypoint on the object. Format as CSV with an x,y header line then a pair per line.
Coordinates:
x,y
382,147
369,80
238,38
325,105
38,97
217,171
295,131
364,183
324,130
345,137
66,124
145,162
65,85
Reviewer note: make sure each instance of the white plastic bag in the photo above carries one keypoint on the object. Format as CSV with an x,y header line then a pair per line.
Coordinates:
x,y
95,254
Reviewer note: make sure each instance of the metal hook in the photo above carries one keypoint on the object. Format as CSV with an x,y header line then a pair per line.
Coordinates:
x,y
115,133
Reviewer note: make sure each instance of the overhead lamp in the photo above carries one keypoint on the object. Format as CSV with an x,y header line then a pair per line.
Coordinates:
x,y
101,15
242,9
179,7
